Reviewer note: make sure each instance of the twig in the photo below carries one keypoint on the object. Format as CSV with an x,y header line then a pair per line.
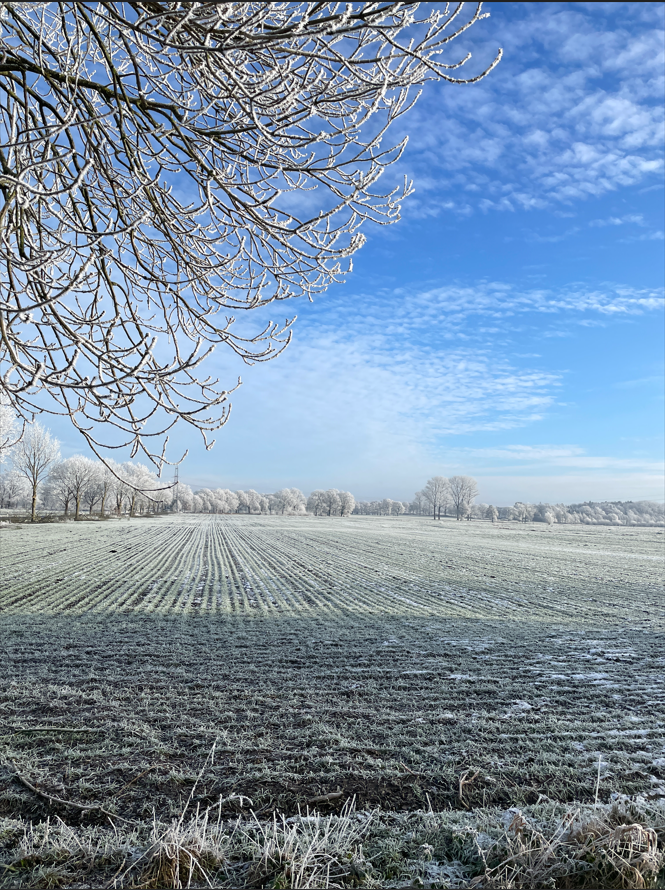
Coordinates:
x,y
324,798
50,798
135,779
112,881
31,729
407,769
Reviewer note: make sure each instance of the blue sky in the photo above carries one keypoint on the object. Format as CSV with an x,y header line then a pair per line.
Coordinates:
x,y
510,326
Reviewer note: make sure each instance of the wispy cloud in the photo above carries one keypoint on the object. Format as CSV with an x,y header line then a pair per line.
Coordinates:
x,y
442,313
570,456
657,235
651,380
375,385
349,410
630,218
573,111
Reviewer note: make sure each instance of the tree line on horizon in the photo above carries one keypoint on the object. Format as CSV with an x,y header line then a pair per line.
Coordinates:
x,y
37,478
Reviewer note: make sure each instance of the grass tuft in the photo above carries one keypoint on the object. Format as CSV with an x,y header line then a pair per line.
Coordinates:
x,y
308,851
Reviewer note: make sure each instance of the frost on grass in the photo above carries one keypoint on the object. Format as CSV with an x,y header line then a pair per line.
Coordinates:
x,y
548,845
525,674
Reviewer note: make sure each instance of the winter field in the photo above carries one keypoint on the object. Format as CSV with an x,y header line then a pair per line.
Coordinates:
x,y
408,680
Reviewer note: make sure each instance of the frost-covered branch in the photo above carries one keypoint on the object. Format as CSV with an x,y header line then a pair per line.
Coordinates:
x,y
166,165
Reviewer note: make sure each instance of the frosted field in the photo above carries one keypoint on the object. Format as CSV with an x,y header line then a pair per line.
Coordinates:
x,y
309,567
401,661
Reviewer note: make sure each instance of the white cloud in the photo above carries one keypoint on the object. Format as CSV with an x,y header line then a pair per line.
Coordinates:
x,y
634,218
351,410
574,110
376,389
658,235
445,311
570,456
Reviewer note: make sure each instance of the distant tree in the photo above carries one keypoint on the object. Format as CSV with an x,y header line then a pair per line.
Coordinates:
x,y
243,502
231,501
418,503
12,487
347,502
33,456
463,489
315,502
183,497
332,501
94,490
108,482
523,512
435,493
253,501
288,500
57,490
139,484
544,513
478,511
81,474
492,513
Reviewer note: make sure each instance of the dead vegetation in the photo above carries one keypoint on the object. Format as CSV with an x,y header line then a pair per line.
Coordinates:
x,y
613,846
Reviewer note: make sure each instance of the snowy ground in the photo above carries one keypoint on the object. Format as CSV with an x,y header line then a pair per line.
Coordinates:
x,y
405,662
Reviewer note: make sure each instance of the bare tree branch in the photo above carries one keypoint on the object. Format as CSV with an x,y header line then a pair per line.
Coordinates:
x,y
164,165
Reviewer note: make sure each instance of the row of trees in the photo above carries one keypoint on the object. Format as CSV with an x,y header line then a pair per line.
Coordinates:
x,y
644,513
36,475
386,507
222,500
331,502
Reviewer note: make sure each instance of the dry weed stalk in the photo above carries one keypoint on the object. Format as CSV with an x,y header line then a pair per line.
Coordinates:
x,y
579,854
465,780
625,856
177,854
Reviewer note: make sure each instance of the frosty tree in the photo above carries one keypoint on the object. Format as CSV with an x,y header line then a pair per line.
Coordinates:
x,y
271,118
435,493
463,489
33,457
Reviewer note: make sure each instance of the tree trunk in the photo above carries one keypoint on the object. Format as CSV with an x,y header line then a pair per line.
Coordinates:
x,y
34,502
102,505
78,506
